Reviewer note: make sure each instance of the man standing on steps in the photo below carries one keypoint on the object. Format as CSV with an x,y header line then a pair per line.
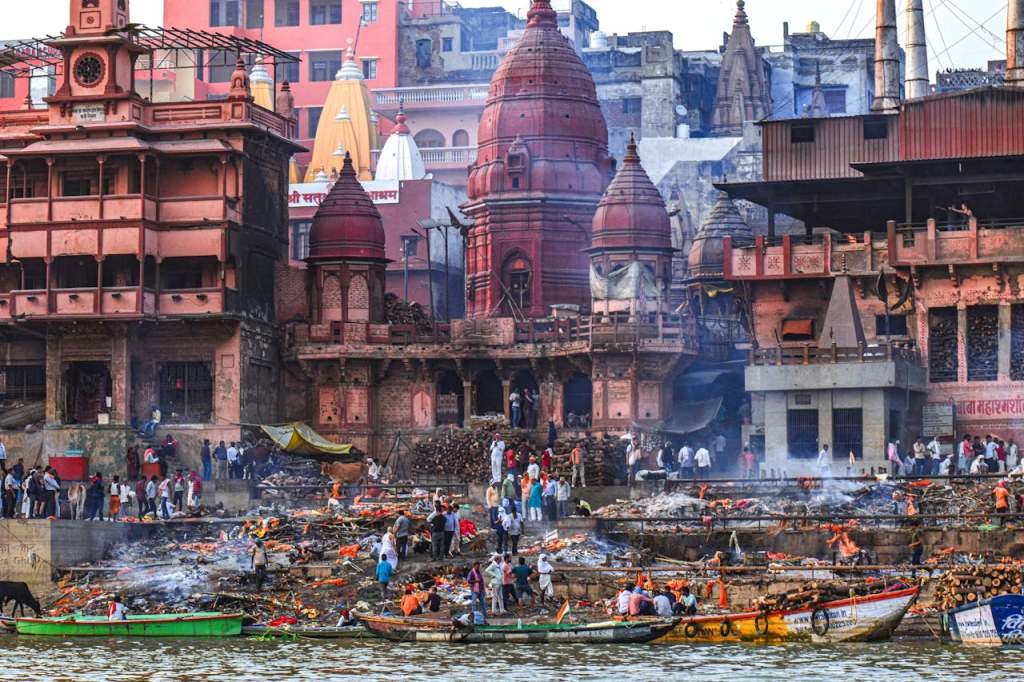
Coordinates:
x,y
578,458
703,461
205,457
497,453
220,453
232,454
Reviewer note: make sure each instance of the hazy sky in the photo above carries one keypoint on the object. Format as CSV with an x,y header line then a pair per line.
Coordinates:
x,y
960,32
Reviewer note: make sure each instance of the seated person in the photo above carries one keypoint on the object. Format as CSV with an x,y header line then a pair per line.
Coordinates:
x,y
410,604
687,604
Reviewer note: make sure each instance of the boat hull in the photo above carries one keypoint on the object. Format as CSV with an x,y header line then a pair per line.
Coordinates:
x,y
862,619
610,632
995,621
184,625
263,631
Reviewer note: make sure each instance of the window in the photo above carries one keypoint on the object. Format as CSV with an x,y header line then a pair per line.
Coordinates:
x,y
33,274
200,65
369,69
428,139
798,330
254,13
518,280
460,138
186,392
224,13
289,70
369,12
848,433
313,120
632,105
893,325
410,246
876,128
6,85
300,238
447,44
802,433
27,383
286,12
323,65
221,64
78,184
800,133
835,101
943,363
982,339
324,12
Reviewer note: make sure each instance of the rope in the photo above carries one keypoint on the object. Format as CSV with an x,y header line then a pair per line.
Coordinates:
x,y
997,41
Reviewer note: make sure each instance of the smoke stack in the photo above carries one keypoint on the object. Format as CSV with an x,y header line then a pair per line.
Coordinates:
x,y
887,59
1015,44
917,51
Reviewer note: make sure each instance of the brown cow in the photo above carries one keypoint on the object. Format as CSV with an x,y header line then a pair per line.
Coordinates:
x,y
350,473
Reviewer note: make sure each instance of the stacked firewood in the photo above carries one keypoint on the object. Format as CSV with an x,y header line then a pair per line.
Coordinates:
x,y
812,593
942,345
983,343
397,311
605,461
971,583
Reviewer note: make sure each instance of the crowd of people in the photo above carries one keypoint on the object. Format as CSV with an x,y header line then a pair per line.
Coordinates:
x,y
971,456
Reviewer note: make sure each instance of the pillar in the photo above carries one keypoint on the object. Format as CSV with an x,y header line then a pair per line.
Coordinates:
x,y
54,380
825,421
1005,341
468,401
120,377
506,391
961,343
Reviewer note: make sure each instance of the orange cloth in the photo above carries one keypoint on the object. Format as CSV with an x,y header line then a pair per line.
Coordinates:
x,y
1002,499
115,505
410,604
723,595
576,455
336,490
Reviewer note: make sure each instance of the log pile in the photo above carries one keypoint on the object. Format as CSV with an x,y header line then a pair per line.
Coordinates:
x,y
972,583
942,344
397,311
814,593
983,343
605,462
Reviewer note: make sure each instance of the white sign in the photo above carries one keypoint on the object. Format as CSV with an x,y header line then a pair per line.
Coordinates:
x,y
88,113
311,194
937,419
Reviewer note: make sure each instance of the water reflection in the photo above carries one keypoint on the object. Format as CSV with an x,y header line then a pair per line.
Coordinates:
x,y
240,660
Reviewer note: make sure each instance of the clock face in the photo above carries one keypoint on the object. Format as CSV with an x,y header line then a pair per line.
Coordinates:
x,y
88,69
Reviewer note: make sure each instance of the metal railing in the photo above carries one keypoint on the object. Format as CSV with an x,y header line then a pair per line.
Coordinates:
x,y
813,355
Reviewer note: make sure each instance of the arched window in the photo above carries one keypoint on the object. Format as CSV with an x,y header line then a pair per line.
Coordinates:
x,y
429,139
330,300
460,138
517,276
358,299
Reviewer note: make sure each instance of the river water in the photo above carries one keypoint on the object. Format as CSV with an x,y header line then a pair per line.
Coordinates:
x,y
238,660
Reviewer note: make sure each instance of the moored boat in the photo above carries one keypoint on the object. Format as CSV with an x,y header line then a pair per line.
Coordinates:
x,y
212,624
857,619
430,630
305,632
995,621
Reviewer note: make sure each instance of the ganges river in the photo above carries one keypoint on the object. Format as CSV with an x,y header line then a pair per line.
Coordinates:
x,y
237,660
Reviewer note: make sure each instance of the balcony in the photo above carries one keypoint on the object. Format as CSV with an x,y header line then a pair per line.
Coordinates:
x,y
808,367
197,209
430,97
114,302
976,242
196,115
192,302
134,207
793,258
440,158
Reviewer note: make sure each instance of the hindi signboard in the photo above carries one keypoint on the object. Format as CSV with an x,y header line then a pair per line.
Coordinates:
x,y
311,194
937,420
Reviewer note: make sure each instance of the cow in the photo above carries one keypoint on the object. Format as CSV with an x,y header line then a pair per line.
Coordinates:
x,y
76,500
352,472
21,595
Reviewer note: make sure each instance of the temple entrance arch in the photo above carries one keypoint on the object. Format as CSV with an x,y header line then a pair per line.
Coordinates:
x,y
489,395
451,399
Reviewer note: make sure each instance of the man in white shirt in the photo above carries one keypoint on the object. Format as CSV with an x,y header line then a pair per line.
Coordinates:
x,y
1012,456
662,605
686,461
623,602
232,460
825,461
497,453
719,444
935,450
3,455
703,460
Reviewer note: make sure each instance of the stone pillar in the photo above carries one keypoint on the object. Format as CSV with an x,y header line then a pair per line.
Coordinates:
x,y
468,401
1005,340
506,391
120,377
961,342
54,380
825,421
776,445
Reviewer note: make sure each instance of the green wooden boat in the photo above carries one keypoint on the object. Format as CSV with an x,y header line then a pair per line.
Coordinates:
x,y
211,624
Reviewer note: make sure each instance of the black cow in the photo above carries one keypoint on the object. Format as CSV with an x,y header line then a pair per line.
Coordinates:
x,y
20,595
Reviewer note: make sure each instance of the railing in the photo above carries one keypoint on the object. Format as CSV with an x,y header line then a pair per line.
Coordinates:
x,y
187,114
438,158
122,207
789,257
431,96
192,301
812,355
968,242
114,301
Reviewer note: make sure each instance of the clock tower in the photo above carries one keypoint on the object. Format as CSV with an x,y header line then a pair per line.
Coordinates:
x,y
99,64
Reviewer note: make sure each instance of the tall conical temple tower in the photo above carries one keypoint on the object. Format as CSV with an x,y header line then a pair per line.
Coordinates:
x,y
541,168
743,93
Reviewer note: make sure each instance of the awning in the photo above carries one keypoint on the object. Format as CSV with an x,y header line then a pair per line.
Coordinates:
x,y
299,439
111,145
691,417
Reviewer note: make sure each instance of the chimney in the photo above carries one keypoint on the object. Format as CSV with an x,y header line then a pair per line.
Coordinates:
x,y
887,59
1015,44
917,84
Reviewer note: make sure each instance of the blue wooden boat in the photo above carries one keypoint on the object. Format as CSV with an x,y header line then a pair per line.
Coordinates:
x,y
995,621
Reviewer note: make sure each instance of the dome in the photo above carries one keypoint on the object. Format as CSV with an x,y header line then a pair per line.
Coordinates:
x,y
543,98
706,254
400,159
347,225
632,213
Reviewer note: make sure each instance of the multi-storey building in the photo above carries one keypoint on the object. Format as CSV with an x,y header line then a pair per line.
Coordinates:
x,y
898,313
138,244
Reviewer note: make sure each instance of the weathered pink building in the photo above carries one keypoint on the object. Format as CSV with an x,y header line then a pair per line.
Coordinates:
x,y
904,296
138,243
